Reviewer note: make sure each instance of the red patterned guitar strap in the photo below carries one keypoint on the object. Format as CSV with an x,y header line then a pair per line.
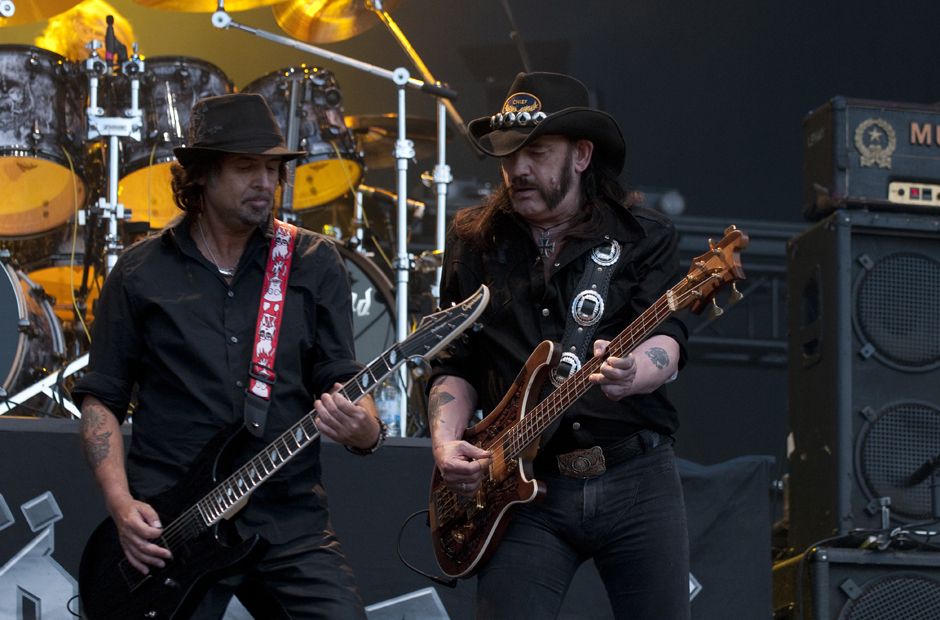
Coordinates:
x,y
261,375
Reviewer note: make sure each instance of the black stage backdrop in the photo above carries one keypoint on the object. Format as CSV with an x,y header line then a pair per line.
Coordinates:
x,y
41,467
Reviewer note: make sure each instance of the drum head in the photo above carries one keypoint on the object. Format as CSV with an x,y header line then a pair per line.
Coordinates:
x,y
373,305
56,282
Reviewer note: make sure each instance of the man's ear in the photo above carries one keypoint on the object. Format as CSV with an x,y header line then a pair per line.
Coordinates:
x,y
583,150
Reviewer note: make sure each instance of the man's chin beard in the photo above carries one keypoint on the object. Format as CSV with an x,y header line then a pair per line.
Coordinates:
x,y
255,217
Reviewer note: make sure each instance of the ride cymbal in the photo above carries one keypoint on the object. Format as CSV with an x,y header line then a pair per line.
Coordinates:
x,y
326,21
378,133
30,11
204,6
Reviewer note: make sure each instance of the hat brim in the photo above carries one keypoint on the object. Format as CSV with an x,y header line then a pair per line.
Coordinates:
x,y
581,123
189,155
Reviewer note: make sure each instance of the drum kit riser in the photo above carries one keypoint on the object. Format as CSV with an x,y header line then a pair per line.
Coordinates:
x,y
85,156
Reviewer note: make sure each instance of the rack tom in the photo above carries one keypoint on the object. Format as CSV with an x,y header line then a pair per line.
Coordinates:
x,y
42,126
169,87
333,165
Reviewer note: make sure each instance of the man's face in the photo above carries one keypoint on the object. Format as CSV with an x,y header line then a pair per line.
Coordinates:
x,y
539,177
242,191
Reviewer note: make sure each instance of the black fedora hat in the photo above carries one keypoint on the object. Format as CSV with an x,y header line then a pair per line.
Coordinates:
x,y
549,103
240,123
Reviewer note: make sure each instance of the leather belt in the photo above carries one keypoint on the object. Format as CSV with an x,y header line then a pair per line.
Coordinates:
x,y
591,462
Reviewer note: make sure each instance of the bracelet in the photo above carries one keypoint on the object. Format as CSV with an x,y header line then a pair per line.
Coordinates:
x,y
383,434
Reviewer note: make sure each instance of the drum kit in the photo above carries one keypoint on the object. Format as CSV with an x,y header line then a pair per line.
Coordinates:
x,y
85,156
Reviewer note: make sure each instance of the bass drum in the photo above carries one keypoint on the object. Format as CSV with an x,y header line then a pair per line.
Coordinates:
x,y
169,87
373,305
31,341
333,165
42,124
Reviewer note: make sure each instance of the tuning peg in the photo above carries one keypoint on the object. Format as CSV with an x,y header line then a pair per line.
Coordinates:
x,y
464,338
477,326
735,295
716,311
711,243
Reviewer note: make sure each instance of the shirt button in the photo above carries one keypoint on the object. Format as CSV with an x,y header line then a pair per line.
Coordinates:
x,y
576,426
231,294
545,312
234,339
239,384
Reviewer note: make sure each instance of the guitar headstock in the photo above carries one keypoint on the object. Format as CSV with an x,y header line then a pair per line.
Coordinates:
x,y
437,330
710,273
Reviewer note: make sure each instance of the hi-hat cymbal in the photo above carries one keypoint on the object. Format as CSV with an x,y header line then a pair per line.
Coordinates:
x,y
378,133
30,11
204,6
326,21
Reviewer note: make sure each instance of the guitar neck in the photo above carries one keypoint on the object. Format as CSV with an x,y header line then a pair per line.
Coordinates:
x,y
230,495
554,406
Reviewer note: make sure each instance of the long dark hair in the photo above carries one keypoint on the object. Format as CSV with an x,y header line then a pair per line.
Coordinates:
x,y
187,191
477,225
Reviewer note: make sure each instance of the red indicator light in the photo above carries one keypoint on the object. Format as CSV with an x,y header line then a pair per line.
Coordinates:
x,y
915,193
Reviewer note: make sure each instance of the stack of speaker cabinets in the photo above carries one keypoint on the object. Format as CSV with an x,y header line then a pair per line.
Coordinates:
x,y
864,368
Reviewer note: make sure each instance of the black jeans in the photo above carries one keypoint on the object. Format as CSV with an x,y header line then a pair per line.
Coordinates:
x,y
631,520
305,579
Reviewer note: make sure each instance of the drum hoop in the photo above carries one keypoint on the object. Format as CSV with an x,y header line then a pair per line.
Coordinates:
x,y
20,355
190,60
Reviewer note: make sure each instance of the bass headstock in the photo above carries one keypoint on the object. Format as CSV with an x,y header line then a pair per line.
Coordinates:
x,y
710,273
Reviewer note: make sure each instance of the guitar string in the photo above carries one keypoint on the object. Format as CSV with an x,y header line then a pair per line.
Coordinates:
x,y
577,380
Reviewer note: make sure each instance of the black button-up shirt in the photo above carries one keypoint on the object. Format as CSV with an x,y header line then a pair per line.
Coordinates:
x,y
169,324
525,310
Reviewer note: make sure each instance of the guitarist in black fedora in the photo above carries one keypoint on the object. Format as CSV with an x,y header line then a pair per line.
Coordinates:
x,y
177,321
570,258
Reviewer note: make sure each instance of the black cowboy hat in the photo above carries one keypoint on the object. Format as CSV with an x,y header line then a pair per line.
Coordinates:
x,y
549,103
240,123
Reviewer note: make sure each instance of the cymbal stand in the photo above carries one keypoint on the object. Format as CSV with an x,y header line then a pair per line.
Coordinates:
x,y
442,176
293,139
127,126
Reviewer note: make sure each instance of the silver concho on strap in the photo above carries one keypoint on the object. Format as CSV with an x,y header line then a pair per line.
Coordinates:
x,y
569,363
605,258
587,308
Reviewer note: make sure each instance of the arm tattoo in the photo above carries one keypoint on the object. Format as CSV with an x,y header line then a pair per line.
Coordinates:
x,y
439,398
95,442
659,357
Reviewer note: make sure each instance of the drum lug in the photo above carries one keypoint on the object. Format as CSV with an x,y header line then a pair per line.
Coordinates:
x,y
27,328
36,136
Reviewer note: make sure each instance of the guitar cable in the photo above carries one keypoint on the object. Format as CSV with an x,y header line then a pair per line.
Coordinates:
x,y
450,583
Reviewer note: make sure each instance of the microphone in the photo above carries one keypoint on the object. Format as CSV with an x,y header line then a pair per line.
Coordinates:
x,y
388,197
110,41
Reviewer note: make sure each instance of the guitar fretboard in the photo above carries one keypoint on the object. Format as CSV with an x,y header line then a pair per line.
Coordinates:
x,y
541,417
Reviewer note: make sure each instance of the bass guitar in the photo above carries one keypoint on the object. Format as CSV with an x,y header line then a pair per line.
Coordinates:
x,y
465,532
198,508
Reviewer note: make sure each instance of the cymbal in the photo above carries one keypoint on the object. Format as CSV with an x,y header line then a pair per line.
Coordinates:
x,y
378,134
203,6
326,21
29,11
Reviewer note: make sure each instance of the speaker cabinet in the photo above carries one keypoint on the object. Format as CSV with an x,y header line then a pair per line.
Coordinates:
x,y
855,584
864,371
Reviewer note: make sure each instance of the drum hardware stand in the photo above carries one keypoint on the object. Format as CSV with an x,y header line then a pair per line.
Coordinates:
x,y
293,140
404,150
47,386
112,127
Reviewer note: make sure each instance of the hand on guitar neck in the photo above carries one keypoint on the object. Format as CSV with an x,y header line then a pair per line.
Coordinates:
x,y
642,371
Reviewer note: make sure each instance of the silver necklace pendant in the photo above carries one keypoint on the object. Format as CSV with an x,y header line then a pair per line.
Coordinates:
x,y
546,246
227,272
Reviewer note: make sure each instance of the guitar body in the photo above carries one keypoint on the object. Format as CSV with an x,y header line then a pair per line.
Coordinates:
x,y
111,589
465,532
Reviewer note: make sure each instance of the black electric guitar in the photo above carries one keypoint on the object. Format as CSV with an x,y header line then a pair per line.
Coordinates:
x,y
466,532
198,507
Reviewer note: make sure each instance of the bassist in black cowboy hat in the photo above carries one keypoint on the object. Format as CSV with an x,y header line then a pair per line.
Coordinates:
x,y
178,321
568,258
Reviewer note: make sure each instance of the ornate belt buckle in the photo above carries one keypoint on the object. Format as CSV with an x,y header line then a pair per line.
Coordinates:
x,y
585,463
